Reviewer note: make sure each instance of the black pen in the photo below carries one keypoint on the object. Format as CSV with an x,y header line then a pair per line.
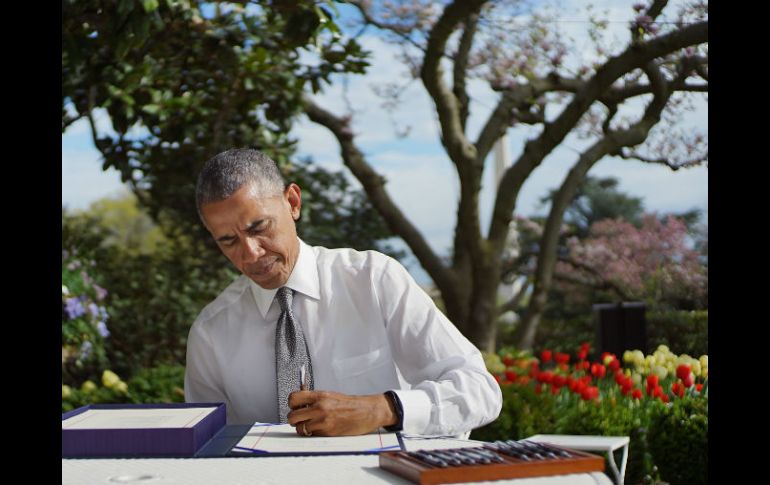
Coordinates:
x,y
458,454
429,459
479,458
446,457
484,451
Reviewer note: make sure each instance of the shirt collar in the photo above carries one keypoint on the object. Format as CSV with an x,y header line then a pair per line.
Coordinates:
x,y
303,279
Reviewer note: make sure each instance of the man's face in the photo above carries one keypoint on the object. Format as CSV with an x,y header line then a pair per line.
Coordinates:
x,y
257,232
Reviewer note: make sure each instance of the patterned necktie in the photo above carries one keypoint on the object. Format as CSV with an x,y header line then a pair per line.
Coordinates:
x,y
290,353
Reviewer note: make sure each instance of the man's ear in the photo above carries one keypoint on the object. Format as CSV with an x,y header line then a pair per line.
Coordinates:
x,y
293,195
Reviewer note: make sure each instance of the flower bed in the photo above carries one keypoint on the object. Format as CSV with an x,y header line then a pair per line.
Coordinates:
x,y
564,394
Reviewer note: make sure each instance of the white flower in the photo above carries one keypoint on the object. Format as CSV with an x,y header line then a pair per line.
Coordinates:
x,y
65,290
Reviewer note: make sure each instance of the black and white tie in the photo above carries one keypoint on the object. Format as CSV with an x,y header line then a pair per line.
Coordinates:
x,y
290,353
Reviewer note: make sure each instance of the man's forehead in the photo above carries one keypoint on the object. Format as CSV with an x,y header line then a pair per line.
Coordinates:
x,y
242,209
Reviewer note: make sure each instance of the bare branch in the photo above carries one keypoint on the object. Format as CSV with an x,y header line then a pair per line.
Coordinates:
x,y
374,185
461,66
611,143
368,19
636,56
631,155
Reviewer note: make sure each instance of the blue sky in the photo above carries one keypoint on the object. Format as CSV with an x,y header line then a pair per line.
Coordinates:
x,y
420,177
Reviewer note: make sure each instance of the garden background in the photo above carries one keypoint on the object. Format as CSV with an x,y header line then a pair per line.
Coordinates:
x,y
412,128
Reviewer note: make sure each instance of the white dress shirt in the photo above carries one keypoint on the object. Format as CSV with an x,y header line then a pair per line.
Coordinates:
x,y
369,328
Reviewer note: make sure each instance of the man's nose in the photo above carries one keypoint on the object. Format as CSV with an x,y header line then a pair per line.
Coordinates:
x,y
252,250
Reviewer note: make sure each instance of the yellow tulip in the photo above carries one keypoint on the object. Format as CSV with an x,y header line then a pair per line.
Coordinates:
x,y
636,378
663,348
704,360
65,391
109,379
660,371
628,356
121,387
88,386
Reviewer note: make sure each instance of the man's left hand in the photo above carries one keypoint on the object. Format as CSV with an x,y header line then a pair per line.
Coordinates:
x,y
325,413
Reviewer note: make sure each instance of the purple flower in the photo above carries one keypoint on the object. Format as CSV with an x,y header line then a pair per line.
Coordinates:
x,y
101,293
85,349
93,309
74,308
102,328
73,265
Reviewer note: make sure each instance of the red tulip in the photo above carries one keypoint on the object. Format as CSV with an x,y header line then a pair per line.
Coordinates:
x,y
558,380
663,397
698,387
545,377
497,378
636,394
682,371
614,365
564,367
545,356
561,358
555,390
689,380
626,386
508,360
598,370
652,380
590,392
510,375
620,378
538,388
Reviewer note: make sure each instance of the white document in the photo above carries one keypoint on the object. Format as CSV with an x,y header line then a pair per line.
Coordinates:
x,y
137,418
283,438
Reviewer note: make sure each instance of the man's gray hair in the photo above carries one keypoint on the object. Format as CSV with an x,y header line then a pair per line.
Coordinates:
x,y
228,171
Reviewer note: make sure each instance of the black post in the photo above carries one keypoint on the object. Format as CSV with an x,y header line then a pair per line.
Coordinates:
x,y
620,327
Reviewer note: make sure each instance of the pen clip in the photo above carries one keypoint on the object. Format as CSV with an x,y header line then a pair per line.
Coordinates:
x,y
302,378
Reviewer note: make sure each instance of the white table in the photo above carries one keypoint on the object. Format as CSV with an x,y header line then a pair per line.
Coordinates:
x,y
606,444
300,470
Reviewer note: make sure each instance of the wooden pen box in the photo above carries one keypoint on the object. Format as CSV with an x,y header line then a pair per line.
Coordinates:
x,y
417,471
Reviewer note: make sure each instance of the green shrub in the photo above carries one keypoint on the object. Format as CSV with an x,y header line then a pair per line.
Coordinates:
x,y
162,384
678,441
684,332
524,413
615,416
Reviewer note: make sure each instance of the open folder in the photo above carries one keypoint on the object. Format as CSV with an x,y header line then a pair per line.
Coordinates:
x,y
282,439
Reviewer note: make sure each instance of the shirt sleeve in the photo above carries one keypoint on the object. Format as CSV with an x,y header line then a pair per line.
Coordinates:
x,y
201,378
452,391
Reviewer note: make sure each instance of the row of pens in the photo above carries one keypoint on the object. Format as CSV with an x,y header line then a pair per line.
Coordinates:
x,y
490,453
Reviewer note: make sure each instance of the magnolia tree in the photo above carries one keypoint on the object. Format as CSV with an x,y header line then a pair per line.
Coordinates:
x,y
621,101
653,262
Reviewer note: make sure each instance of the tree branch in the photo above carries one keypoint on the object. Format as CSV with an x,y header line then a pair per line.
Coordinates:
x,y
460,150
461,65
611,143
368,19
631,155
374,185
637,55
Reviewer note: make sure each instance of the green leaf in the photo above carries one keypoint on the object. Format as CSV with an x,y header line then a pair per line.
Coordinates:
x,y
151,109
149,5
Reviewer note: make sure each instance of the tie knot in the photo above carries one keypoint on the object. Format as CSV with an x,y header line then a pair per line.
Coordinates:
x,y
284,296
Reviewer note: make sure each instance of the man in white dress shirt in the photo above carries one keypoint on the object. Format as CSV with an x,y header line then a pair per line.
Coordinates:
x,y
382,354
